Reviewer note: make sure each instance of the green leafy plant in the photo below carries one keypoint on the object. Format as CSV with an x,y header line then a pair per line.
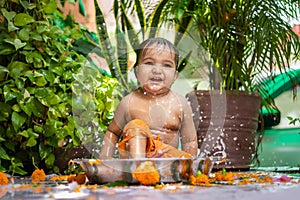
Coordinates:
x,y
246,40
41,106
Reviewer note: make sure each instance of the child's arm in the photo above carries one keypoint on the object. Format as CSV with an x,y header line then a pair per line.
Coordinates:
x,y
109,142
114,130
188,131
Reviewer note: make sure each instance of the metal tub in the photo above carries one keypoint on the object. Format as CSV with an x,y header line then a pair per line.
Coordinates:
x,y
170,169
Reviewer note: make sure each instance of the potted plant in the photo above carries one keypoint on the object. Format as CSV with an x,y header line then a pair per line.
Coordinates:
x,y
247,41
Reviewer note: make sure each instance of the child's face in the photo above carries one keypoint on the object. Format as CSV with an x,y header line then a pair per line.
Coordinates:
x,y
156,70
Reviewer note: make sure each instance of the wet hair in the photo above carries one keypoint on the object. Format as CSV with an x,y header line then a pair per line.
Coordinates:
x,y
153,43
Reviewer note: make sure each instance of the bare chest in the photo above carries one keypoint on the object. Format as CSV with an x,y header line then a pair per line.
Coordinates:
x,y
162,115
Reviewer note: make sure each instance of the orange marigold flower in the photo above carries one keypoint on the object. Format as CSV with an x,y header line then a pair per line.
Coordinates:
x,y
199,180
3,179
38,175
146,173
228,176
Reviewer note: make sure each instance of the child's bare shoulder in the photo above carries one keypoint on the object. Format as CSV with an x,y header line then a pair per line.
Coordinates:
x,y
128,98
181,99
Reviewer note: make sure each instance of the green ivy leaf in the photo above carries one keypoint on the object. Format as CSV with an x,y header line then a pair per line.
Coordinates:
x,y
42,92
12,27
37,108
41,81
2,169
36,36
34,57
17,121
20,83
10,131
38,129
54,30
50,7
48,75
60,46
8,15
42,27
25,106
3,154
24,133
18,170
23,19
19,44
56,69
50,160
44,151
31,142
24,34
27,5
16,108
9,40
16,68
3,71
8,94
76,34
6,50
52,127
52,99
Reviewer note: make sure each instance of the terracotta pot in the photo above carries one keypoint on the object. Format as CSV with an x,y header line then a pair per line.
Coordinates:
x,y
226,125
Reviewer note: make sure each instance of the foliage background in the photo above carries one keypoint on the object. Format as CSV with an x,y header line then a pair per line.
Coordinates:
x,y
51,96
